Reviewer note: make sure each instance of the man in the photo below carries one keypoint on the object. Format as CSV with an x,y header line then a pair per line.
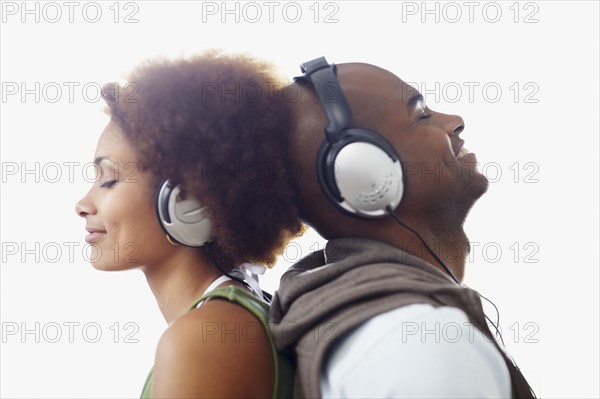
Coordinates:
x,y
381,311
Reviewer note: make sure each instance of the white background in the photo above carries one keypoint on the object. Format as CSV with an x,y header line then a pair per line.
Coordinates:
x,y
546,285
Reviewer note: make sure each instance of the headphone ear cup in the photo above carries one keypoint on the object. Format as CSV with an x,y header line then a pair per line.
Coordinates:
x,y
368,179
358,169
183,221
362,174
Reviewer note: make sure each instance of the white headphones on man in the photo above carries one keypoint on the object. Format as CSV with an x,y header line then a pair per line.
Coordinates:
x,y
358,169
183,221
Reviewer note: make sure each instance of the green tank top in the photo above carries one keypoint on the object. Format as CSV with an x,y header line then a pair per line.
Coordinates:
x,y
284,371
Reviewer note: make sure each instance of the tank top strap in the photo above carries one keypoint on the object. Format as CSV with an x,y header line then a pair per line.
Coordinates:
x,y
220,280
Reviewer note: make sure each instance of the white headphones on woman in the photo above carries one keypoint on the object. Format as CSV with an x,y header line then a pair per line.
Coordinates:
x,y
183,221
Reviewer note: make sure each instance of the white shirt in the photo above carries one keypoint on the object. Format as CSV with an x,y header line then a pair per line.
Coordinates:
x,y
416,351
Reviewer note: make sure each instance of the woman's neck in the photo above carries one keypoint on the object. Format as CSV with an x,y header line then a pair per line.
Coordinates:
x,y
179,280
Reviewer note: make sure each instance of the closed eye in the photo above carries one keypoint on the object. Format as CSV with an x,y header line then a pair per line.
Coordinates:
x,y
424,114
421,110
108,184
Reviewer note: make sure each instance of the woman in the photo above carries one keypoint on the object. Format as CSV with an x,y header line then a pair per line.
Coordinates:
x,y
201,129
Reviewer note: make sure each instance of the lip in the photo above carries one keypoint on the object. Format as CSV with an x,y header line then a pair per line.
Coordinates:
x,y
95,234
94,229
457,144
469,158
94,237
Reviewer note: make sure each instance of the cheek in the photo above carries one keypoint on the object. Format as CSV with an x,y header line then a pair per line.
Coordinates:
x,y
149,236
134,234
120,214
427,163
422,161
433,152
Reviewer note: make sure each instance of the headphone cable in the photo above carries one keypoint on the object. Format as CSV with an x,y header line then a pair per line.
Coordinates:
x,y
392,214
496,326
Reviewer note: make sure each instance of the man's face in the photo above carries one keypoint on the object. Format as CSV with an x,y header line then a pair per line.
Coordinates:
x,y
439,173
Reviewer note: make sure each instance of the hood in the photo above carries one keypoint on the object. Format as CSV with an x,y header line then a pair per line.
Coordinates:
x,y
346,272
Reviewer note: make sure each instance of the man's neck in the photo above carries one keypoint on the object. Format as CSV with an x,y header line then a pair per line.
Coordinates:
x,y
449,245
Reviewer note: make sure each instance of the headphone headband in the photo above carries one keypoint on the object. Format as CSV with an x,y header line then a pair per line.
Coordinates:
x,y
324,78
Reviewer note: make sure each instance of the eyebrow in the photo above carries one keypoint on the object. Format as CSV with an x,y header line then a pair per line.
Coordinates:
x,y
98,160
412,102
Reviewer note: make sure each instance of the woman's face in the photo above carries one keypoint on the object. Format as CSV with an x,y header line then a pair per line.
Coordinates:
x,y
123,230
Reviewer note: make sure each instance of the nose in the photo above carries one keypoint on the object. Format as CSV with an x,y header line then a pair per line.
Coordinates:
x,y
85,207
453,124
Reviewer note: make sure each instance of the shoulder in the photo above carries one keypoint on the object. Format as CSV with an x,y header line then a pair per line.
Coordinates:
x,y
413,351
217,350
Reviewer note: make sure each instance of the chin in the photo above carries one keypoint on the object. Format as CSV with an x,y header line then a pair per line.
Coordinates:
x,y
466,196
479,186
